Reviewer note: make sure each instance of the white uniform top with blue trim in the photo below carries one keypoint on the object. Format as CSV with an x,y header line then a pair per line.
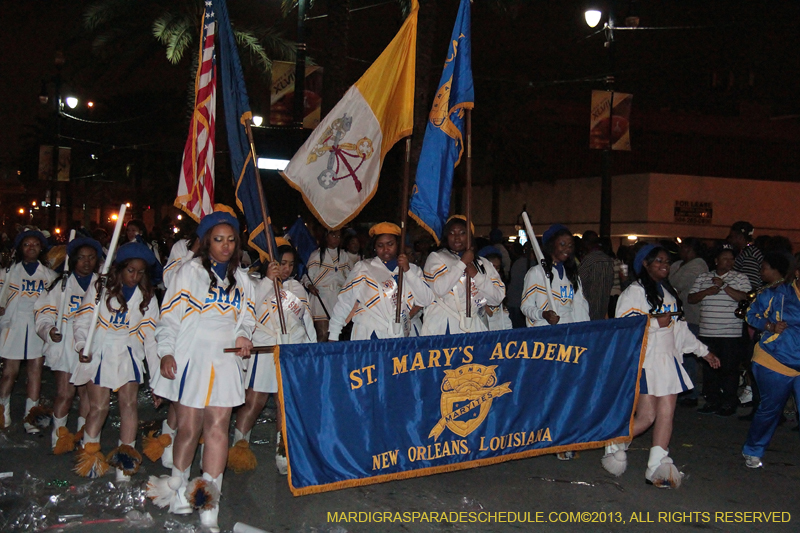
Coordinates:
x,y
18,338
178,255
60,356
446,275
372,288
122,340
260,374
197,324
571,304
328,276
662,368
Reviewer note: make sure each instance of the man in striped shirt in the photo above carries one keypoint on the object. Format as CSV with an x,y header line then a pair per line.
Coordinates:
x,y
597,275
718,292
748,256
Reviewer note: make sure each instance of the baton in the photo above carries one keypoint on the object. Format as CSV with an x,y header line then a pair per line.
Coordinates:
x,y
63,308
539,257
254,349
112,249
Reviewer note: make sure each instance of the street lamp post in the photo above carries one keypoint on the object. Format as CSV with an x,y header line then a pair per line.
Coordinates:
x,y
300,66
593,17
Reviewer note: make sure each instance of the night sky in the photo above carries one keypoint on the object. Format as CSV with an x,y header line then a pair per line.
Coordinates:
x,y
736,61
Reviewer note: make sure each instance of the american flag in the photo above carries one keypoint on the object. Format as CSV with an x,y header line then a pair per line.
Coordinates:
x,y
196,184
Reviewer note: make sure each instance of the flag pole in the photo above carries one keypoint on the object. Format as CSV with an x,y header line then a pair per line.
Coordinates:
x,y
403,222
263,202
468,207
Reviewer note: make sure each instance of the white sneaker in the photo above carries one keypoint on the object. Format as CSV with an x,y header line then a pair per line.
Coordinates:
x,y
751,461
208,519
30,429
567,456
179,504
282,464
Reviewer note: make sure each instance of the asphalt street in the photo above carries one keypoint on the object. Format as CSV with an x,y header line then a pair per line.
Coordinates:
x,y
537,494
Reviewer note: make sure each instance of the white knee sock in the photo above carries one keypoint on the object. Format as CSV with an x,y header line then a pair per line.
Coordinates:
x,y
237,435
30,404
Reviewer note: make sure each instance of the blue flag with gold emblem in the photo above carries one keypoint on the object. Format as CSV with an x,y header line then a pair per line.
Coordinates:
x,y
443,144
364,412
237,111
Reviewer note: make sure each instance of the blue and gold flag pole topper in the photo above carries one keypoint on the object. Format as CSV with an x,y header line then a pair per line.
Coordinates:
x,y
540,258
443,144
249,191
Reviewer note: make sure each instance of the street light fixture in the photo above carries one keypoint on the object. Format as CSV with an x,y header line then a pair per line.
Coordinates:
x,y
257,120
592,17
72,102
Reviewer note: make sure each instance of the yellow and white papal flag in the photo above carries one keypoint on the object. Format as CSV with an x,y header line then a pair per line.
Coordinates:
x,y
338,167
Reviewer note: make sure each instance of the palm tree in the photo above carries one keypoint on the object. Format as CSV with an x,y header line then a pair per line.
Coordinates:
x,y
175,24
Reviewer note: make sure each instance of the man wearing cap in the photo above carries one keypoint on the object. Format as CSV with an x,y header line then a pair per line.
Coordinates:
x,y
748,256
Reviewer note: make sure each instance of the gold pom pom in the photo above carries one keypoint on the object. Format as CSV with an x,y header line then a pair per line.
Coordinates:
x,y
90,461
126,458
241,458
153,447
65,443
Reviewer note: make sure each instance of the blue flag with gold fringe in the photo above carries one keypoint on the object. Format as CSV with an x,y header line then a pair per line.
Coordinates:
x,y
237,111
443,144
364,412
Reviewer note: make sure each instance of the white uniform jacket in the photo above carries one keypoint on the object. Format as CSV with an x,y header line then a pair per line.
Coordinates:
x,y
178,255
197,324
122,340
18,338
60,356
665,346
328,276
296,313
446,275
374,289
571,304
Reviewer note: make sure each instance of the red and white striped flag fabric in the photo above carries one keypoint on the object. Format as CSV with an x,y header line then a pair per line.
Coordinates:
x,y
196,184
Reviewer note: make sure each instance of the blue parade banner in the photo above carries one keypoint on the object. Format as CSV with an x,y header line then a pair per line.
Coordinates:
x,y
364,412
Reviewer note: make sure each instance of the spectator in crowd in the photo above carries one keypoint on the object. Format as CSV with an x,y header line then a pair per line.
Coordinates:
x,y
516,285
496,240
718,292
682,275
776,362
597,276
774,270
748,255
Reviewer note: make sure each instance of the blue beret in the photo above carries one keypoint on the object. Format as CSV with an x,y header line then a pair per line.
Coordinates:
x,y
552,230
135,250
214,219
639,259
79,242
32,233
486,251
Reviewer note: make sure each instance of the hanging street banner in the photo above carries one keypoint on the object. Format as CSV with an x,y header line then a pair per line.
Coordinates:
x,y
282,95
604,124
363,412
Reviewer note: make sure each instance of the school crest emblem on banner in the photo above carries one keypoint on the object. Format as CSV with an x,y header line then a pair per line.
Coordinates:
x,y
467,395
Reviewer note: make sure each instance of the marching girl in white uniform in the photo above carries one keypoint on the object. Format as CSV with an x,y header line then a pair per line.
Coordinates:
x,y
328,268
663,376
372,287
565,285
209,307
59,352
26,280
123,335
261,378
446,272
